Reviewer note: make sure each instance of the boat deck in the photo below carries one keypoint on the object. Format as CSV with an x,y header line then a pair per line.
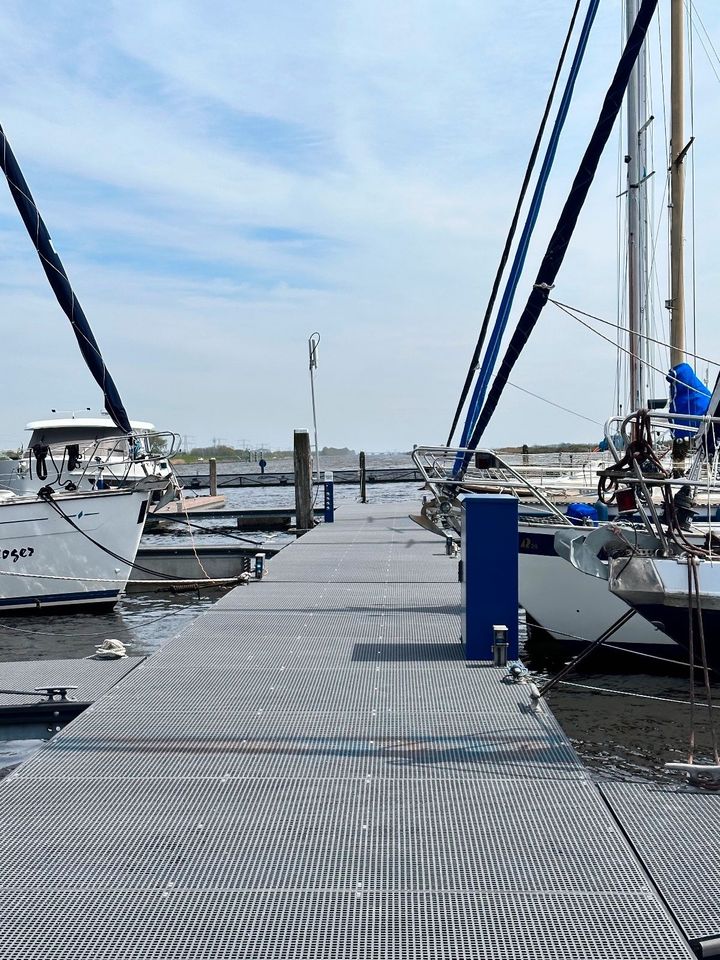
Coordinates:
x,y
312,770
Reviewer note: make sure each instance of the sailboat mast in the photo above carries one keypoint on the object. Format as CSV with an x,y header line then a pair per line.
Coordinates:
x,y
637,215
677,184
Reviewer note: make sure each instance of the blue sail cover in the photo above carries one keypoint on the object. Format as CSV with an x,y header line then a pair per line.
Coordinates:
x,y
688,394
64,293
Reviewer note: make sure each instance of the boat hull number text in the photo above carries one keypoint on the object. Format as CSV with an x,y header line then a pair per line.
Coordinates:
x,y
16,554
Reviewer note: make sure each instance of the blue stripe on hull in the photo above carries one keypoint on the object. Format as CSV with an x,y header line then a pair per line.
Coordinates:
x,y
88,596
537,544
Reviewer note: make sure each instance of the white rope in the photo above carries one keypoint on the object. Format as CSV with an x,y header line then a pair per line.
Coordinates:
x,y
192,539
50,576
629,693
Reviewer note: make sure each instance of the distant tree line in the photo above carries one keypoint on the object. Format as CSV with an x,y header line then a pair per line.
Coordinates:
x,y
223,452
551,448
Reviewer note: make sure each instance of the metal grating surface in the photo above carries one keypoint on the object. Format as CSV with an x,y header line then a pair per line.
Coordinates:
x,y
91,677
353,597
342,835
312,770
299,744
368,572
322,925
676,832
257,628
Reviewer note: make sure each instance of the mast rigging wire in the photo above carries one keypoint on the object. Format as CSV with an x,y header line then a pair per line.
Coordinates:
x,y
553,404
608,323
691,77
626,349
695,15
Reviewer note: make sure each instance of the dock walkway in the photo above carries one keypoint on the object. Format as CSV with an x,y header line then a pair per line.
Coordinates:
x,y
312,770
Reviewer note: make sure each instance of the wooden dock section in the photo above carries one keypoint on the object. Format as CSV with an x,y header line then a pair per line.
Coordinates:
x,y
312,770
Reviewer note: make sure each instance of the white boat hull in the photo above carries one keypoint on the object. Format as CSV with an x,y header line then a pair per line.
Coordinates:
x,y
45,562
568,603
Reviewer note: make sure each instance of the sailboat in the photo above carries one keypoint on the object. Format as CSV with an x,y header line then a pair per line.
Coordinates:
x,y
673,579
73,544
572,607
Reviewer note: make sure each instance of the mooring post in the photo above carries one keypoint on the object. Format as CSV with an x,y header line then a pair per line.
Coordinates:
x,y
490,577
363,478
213,476
303,481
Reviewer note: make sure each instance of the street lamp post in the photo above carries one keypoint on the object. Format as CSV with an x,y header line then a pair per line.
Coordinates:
x,y
312,350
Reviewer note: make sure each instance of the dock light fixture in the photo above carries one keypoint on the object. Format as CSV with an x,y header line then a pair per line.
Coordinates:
x,y
500,645
329,511
313,342
259,565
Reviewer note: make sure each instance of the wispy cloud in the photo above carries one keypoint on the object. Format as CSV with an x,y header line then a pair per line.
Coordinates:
x,y
223,180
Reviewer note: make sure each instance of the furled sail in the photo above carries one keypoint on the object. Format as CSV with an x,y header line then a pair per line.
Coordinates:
x,y
491,354
510,238
55,273
562,235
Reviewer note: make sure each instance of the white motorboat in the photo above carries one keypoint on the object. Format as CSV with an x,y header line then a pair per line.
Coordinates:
x,y
88,452
72,541
70,548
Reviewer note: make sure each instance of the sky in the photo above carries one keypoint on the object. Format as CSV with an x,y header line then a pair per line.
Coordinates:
x,y
222,180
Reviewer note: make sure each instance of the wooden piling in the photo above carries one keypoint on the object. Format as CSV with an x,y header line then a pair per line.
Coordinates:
x,y
303,481
363,478
213,476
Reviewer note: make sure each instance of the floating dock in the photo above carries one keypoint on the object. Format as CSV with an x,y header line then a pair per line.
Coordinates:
x,y
167,566
312,770
90,678
198,479
280,518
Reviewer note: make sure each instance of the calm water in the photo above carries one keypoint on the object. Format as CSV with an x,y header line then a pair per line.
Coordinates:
x,y
625,736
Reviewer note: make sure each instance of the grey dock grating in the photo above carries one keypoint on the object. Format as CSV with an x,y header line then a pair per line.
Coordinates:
x,y
311,770
676,832
91,677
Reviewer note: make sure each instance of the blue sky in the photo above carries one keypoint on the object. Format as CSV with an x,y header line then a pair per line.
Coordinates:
x,y
221,180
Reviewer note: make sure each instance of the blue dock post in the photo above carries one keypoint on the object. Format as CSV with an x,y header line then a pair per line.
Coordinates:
x,y
329,515
489,573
